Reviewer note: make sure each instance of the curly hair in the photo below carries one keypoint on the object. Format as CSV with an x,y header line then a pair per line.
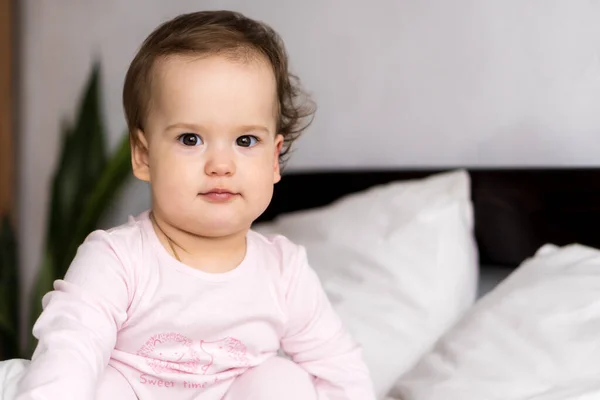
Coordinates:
x,y
224,33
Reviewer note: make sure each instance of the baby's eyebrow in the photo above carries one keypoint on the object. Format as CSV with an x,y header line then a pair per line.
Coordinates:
x,y
200,128
183,125
253,128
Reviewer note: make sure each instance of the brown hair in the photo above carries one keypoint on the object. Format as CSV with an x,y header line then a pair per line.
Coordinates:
x,y
217,32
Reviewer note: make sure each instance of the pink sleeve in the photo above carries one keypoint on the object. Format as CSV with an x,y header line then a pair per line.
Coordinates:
x,y
77,329
316,339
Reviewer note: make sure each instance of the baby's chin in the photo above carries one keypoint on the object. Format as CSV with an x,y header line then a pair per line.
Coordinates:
x,y
216,226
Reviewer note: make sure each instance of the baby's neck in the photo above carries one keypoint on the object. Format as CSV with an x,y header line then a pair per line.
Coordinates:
x,y
209,254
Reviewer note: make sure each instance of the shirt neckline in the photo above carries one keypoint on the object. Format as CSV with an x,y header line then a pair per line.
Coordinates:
x,y
246,264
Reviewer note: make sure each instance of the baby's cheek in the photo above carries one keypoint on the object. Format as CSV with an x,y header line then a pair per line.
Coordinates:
x,y
177,181
262,191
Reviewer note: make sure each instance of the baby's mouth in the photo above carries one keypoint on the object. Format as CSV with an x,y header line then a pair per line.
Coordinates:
x,y
219,195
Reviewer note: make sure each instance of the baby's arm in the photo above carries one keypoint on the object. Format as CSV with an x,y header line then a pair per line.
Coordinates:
x,y
78,327
316,339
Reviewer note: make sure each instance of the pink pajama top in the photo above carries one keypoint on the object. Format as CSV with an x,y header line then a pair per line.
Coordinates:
x,y
175,332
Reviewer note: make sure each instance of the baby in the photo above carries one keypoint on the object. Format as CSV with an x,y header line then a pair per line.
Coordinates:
x,y
186,301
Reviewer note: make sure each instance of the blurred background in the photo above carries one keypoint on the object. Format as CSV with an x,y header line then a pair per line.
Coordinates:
x,y
398,83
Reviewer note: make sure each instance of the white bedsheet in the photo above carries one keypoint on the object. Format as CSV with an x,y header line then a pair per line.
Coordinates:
x,y
10,371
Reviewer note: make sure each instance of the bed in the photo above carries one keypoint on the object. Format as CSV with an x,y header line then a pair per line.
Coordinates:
x,y
534,232
458,283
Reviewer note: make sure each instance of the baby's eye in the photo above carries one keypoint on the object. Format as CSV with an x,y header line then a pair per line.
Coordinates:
x,y
190,139
247,141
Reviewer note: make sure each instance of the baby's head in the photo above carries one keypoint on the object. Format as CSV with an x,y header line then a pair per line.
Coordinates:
x,y
212,110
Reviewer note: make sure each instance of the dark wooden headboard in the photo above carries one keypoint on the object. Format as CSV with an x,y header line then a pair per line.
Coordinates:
x,y
516,210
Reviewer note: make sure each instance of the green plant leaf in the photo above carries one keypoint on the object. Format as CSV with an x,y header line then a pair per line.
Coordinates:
x,y
102,196
82,160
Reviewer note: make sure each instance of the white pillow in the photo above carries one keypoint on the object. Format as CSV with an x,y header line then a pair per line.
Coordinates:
x,y
398,261
536,336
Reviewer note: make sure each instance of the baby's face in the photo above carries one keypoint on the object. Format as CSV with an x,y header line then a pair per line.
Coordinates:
x,y
211,129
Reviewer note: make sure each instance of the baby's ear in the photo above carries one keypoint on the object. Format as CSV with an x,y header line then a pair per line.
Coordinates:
x,y
139,156
277,166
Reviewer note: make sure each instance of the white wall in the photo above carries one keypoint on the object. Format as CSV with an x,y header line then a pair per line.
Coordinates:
x,y
398,83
